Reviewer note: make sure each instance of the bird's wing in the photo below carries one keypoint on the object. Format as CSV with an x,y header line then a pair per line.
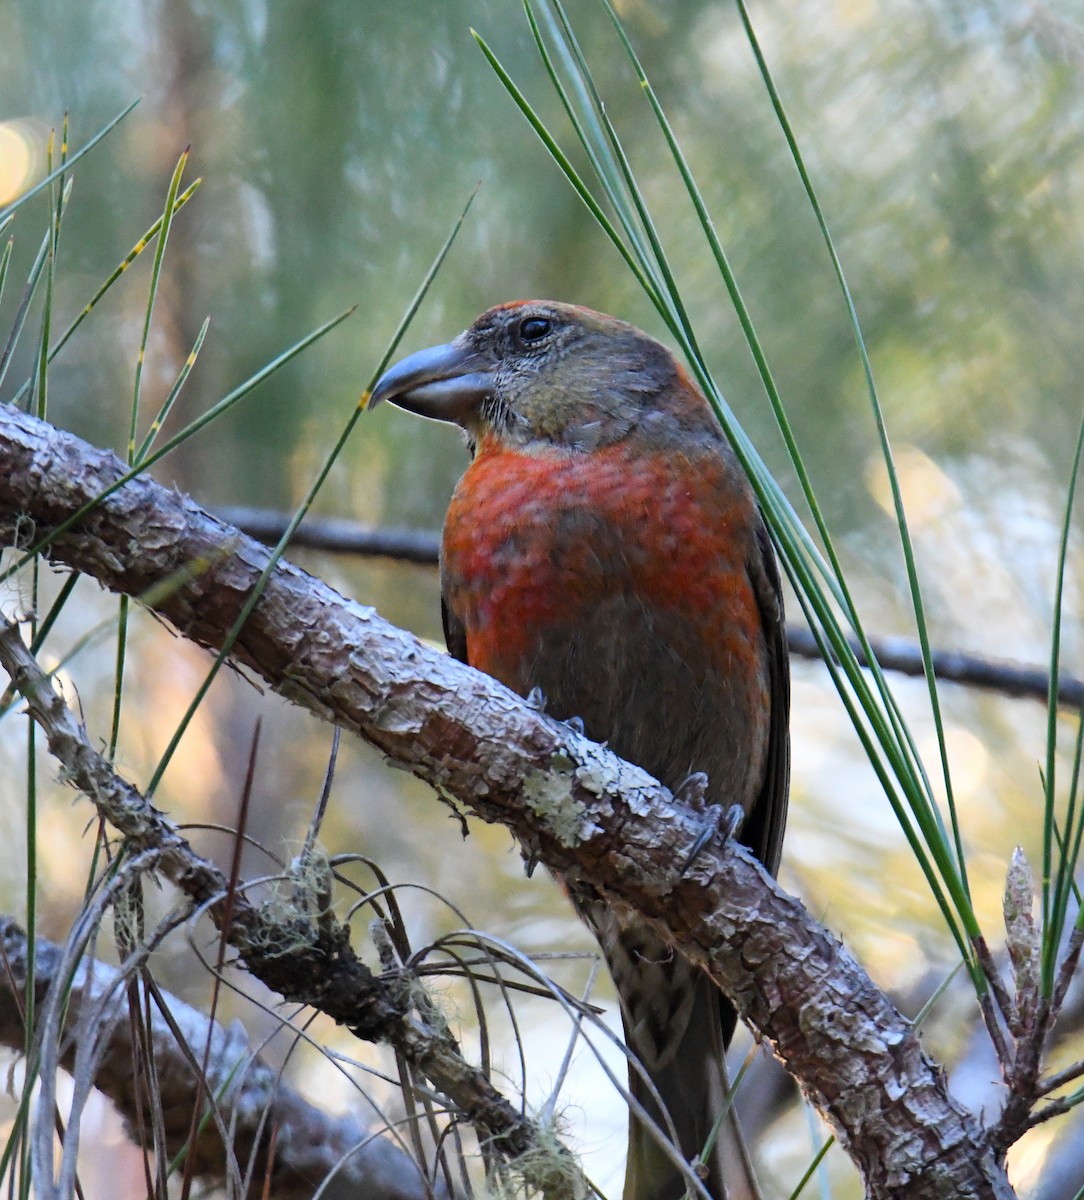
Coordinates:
x,y
764,832
455,633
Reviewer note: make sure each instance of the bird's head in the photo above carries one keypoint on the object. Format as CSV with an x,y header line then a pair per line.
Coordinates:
x,y
539,372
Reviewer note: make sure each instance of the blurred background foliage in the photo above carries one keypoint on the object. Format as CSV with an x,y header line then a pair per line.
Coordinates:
x,y
338,141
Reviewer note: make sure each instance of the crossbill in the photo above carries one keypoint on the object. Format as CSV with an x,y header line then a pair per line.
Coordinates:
x,y
605,547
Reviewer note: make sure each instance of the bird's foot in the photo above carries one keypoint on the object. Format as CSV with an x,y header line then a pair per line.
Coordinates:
x,y
717,820
536,699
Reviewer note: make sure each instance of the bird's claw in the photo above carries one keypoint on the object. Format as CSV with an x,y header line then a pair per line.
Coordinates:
x,y
530,860
692,789
536,699
575,724
717,820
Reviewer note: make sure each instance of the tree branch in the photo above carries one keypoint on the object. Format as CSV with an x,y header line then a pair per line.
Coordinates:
x,y
252,1100
339,535
305,958
571,803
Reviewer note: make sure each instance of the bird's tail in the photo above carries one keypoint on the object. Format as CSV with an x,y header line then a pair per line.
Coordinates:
x,y
696,1117
677,1028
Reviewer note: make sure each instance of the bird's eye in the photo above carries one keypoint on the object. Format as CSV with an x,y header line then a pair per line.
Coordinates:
x,y
534,329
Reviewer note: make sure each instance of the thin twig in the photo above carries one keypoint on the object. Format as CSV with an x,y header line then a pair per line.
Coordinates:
x,y
1056,1108
1060,1078
1005,1002
1068,967
997,1034
342,536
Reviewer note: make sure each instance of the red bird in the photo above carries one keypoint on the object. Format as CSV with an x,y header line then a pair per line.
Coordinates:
x,y
605,547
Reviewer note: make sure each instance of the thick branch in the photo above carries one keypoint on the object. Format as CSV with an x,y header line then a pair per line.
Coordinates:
x,y
582,810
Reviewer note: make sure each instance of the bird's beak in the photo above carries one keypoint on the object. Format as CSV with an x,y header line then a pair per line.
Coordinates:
x,y
445,383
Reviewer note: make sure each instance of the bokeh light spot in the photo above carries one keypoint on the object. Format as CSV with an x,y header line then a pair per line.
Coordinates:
x,y
21,143
928,492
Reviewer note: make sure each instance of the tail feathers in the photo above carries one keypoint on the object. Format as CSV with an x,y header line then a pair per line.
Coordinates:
x,y
695,1108
677,1027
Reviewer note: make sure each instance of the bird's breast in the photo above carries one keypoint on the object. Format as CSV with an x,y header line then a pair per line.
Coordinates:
x,y
618,583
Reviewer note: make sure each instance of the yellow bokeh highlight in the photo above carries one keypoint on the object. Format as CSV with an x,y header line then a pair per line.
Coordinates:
x,y
1027,1158
928,492
22,143
969,762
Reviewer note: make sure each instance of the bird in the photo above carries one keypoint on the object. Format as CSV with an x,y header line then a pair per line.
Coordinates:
x,y
604,551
